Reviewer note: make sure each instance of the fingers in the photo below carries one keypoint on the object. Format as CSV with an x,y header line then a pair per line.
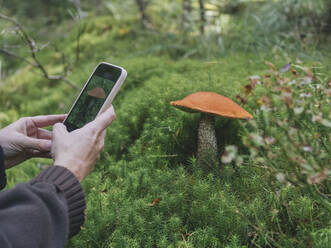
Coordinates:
x,y
44,134
41,145
104,120
47,120
38,154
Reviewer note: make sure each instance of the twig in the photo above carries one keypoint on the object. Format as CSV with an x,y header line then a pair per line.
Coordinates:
x,y
28,41
63,78
9,53
33,48
184,241
163,156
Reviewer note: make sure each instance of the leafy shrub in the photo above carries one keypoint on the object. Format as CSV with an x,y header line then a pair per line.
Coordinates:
x,y
291,132
290,136
285,24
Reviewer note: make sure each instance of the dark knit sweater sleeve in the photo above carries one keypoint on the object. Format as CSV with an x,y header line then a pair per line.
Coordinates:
x,y
42,213
2,170
72,191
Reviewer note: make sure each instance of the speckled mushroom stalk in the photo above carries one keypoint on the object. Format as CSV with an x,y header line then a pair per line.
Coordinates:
x,y
209,104
207,142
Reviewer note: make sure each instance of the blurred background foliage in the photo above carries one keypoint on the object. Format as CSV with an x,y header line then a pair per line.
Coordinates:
x,y
272,185
183,28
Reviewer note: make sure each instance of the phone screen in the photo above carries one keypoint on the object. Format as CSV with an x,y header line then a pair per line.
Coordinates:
x,y
92,97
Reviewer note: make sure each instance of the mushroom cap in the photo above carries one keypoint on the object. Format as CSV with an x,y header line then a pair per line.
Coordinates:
x,y
212,103
97,92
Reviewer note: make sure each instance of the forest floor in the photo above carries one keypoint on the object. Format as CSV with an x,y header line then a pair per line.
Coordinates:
x,y
147,189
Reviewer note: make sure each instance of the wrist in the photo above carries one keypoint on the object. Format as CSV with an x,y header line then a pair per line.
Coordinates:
x,y
74,166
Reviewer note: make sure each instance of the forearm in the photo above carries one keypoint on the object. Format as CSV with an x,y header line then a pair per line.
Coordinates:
x,y
42,213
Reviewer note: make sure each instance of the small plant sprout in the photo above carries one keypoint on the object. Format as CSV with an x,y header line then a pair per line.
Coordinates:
x,y
209,104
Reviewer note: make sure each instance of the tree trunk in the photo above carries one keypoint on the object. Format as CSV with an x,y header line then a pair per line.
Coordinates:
x,y
142,5
186,14
202,16
99,7
328,23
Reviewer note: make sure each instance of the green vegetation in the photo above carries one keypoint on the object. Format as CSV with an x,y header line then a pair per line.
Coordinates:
x,y
272,186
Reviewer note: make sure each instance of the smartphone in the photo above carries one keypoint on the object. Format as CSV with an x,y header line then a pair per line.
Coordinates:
x,y
96,95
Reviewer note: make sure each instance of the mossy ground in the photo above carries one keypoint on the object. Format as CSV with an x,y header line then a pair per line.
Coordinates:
x,y
149,154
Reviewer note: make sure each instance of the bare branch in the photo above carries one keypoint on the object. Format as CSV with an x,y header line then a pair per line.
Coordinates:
x,y
12,54
25,36
63,78
33,48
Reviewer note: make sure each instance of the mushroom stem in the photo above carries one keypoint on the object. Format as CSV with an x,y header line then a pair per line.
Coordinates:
x,y
207,143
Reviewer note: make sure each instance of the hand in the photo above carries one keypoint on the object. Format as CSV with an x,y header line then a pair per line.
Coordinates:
x,y
78,150
25,138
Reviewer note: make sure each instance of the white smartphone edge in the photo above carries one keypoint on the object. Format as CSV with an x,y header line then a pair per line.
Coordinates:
x,y
111,95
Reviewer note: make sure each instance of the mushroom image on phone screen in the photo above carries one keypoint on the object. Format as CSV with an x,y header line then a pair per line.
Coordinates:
x,y
90,103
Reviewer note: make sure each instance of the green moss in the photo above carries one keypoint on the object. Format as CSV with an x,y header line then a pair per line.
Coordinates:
x,y
150,151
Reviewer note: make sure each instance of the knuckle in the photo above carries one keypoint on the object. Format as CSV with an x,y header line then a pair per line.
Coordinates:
x,y
100,149
101,145
98,146
113,116
23,119
56,126
94,139
92,130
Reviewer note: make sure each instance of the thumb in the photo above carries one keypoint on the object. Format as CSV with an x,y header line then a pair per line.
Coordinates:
x,y
105,119
59,128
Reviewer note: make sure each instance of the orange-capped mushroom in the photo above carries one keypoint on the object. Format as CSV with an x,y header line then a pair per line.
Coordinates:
x,y
212,103
209,104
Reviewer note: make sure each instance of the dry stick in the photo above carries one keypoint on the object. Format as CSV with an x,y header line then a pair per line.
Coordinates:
x,y
26,39
33,49
184,240
164,156
6,52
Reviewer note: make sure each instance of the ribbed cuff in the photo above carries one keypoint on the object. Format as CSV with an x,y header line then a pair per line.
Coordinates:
x,y
72,190
3,179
